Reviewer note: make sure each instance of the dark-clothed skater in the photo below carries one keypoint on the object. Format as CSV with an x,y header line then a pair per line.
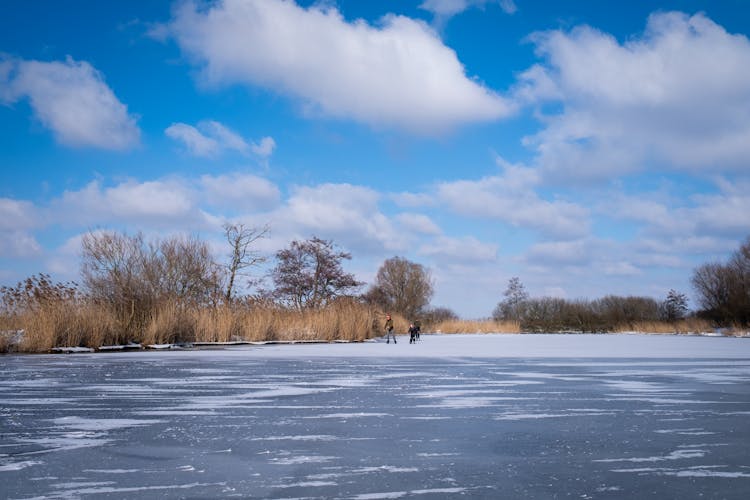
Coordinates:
x,y
413,333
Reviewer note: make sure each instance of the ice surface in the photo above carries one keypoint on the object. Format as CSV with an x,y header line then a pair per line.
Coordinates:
x,y
472,416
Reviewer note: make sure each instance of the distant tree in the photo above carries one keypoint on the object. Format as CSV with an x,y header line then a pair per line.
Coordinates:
x,y
241,240
622,312
512,306
402,286
309,274
723,290
674,306
435,315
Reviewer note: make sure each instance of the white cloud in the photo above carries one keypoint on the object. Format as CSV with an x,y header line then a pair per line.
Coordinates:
x,y
412,200
210,138
16,214
678,94
240,191
72,99
511,198
195,142
397,74
448,8
718,212
418,223
149,204
265,147
459,250
346,213
561,253
18,244
226,137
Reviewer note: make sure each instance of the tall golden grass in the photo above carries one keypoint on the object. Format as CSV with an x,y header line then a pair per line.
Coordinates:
x,y
84,324
684,326
476,326
61,323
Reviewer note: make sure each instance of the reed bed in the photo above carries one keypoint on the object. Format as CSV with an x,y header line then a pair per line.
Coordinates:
x,y
684,326
476,326
87,324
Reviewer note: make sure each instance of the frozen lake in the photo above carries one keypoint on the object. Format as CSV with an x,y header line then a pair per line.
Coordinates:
x,y
474,416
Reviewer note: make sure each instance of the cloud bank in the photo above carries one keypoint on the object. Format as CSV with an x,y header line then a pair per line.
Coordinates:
x,y
675,98
398,74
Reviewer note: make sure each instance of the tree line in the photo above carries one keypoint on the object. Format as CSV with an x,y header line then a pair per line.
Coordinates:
x,y
165,289
148,287
722,291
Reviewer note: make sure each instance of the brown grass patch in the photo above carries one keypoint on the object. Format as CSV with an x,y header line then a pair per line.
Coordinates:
x,y
689,325
477,326
56,324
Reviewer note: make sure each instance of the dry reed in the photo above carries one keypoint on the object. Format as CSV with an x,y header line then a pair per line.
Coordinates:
x,y
169,323
683,326
61,323
477,326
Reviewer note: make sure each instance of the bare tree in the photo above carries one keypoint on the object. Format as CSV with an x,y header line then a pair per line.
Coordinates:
x,y
309,274
241,240
511,307
402,286
723,290
674,306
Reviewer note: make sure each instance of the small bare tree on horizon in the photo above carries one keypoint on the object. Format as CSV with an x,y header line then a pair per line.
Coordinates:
x,y
241,239
511,307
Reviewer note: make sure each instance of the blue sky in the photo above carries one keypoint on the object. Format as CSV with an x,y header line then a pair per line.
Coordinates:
x,y
588,148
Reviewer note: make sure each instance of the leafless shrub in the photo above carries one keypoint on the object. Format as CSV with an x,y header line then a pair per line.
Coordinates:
x,y
135,278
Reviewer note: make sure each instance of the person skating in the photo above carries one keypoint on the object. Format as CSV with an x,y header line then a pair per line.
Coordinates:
x,y
389,330
413,332
418,326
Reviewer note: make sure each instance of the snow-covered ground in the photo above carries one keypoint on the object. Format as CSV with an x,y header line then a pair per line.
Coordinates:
x,y
478,416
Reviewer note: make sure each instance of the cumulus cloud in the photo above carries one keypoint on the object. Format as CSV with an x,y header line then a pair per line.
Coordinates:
x,y
719,211
347,213
210,138
418,223
239,191
195,141
18,244
16,214
561,253
459,250
396,74
264,148
511,197
448,8
677,95
153,204
72,99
